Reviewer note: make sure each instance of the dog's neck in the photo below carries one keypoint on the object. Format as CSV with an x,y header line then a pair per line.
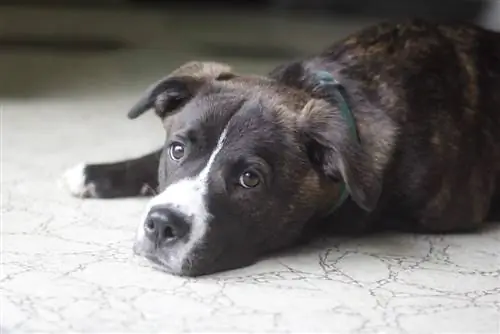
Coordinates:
x,y
334,89
320,81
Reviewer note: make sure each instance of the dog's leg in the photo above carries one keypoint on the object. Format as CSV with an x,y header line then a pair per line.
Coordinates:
x,y
126,178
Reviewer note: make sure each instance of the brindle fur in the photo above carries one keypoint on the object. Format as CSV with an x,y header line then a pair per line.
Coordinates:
x,y
426,100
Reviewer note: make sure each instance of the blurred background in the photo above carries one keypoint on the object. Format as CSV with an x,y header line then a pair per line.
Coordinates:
x,y
53,48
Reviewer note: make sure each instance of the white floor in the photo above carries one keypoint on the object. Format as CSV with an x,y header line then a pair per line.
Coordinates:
x,y
67,264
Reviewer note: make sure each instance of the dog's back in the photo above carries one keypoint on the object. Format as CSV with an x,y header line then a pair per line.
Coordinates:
x,y
426,98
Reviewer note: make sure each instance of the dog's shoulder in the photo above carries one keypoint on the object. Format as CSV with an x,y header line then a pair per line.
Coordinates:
x,y
412,35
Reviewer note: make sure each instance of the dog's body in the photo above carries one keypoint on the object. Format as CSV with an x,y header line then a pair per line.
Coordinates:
x,y
425,98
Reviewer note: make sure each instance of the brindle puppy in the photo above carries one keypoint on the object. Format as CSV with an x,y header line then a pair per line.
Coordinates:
x,y
253,164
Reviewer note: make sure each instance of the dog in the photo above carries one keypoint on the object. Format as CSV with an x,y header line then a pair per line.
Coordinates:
x,y
396,126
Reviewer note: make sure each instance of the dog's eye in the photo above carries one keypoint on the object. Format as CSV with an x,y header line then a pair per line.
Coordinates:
x,y
249,179
177,151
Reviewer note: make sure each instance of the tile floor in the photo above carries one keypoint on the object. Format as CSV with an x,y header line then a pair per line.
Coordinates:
x,y
67,265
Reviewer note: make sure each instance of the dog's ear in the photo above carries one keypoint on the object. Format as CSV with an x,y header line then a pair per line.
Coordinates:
x,y
336,154
171,92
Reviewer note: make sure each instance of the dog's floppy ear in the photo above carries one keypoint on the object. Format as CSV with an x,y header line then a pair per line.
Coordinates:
x,y
171,92
336,154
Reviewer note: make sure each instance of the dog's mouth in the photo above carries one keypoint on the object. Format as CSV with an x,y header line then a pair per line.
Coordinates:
x,y
157,263
151,257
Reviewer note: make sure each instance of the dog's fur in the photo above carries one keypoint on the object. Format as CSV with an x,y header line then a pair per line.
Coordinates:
x,y
426,100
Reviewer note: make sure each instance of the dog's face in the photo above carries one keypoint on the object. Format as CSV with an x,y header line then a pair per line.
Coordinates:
x,y
240,173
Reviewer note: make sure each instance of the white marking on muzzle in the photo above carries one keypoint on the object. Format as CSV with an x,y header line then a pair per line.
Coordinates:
x,y
188,196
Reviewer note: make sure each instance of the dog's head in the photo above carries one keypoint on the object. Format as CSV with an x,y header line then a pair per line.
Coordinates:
x,y
247,163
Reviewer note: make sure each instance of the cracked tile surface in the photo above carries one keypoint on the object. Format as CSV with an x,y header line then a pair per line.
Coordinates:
x,y
67,264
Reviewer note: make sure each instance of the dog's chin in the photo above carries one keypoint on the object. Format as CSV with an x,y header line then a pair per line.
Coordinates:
x,y
160,265
155,261
158,262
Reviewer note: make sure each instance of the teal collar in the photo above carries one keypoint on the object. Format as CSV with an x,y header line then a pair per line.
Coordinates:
x,y
328,81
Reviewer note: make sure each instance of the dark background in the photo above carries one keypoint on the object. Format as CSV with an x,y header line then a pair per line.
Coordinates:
x,y
59,46
462,9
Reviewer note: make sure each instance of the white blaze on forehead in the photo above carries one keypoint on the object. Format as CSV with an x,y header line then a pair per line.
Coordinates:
x,y
188,197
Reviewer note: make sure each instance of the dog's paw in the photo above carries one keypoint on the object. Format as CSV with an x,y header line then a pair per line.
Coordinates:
x,y
75,180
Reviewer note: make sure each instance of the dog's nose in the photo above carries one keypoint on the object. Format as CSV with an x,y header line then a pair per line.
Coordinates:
x,y
164,224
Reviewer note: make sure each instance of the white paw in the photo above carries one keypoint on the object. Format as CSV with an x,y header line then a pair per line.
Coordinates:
x,y
75,181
